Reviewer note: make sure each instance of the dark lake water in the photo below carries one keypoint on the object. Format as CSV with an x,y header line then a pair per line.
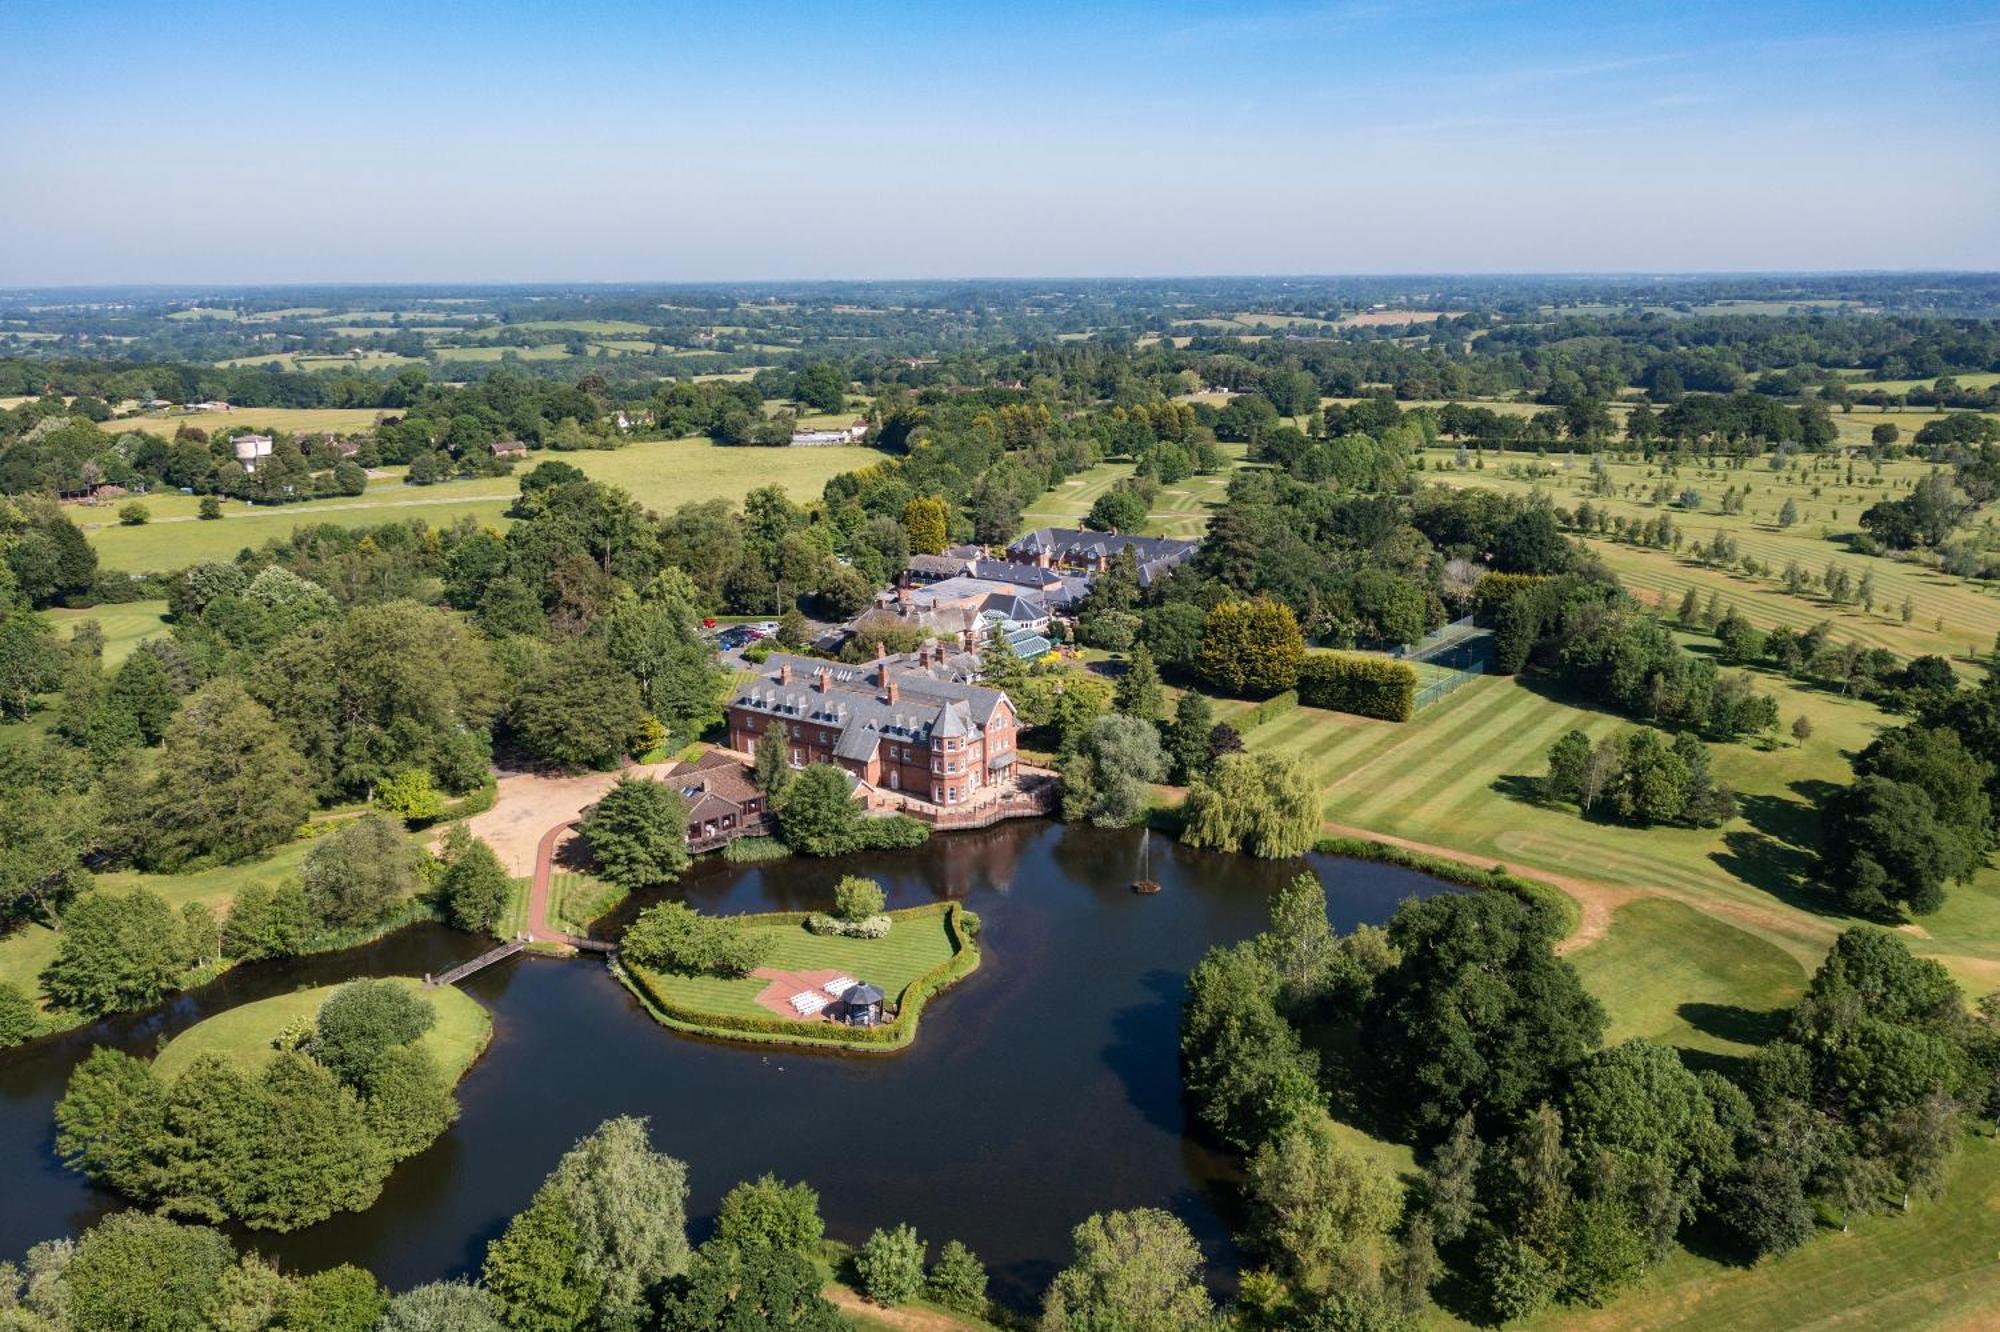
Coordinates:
x,y
1042,1089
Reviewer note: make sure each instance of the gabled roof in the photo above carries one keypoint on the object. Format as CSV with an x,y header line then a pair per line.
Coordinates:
x,y
1070,543
713,774
855,702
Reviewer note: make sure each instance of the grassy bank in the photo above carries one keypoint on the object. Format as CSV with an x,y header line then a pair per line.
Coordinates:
x,y
244,1035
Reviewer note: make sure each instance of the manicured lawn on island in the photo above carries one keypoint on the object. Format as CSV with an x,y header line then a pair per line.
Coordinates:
x,y
915,945
243,1035
125,625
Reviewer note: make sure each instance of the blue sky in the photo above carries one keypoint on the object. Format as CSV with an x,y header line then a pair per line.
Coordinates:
x,y
612,140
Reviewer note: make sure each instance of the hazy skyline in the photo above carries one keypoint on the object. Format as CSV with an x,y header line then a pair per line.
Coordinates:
x,y
610,140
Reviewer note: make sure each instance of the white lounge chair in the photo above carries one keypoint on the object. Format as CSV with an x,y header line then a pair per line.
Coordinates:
x,y
840,985
805,1003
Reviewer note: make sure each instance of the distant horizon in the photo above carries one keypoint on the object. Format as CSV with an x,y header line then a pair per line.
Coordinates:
x,y
379,142
1581,275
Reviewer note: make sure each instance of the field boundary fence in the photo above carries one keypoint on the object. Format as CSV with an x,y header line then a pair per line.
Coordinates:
x,y
1448,659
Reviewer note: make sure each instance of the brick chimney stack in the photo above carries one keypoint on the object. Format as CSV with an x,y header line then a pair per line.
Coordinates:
x,y
888,688
823,678
784,672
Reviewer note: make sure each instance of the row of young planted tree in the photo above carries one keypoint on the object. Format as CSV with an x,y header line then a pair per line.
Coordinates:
x,y
1554,1169
603,1247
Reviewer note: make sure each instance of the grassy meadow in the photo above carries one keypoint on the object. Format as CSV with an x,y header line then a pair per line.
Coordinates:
x,y
341,420
1182,509
125,625
1949,616
661,474
244,1035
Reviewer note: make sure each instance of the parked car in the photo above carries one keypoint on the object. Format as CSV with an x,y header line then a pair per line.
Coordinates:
x,y
766,628
736,636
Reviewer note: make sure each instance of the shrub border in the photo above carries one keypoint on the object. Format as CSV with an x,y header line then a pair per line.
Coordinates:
x,y
1536,892
886,1038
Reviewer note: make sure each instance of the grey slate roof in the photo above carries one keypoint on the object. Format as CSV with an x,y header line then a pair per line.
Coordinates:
x,y
1015,572
1070,543
855,705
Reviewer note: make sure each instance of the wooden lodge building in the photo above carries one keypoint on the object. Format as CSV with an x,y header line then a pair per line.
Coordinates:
x,y
723,801
899,730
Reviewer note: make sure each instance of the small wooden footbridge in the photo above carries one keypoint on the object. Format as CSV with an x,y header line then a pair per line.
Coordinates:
x,y
537,930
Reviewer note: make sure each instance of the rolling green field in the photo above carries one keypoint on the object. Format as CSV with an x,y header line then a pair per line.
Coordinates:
x,y
1950,616
125,625
1459,776
915,945
1976,379
367,360
244,1035
1670,974
345,420
660,474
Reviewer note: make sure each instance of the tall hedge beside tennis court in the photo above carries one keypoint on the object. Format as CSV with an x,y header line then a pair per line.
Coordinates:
x,y
1364,686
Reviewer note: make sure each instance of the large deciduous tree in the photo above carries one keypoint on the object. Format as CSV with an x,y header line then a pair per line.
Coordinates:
x,y
1106,779
116,951
579,709
382,689
1478,1013
1137,1270
360,872
607,1226
1264,804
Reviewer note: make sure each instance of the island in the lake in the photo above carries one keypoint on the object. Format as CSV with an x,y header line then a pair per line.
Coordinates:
x,y
279,1113
797,978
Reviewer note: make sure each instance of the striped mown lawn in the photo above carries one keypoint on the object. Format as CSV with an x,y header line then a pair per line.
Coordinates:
x,y
916,944
1459,776
575,900
125,625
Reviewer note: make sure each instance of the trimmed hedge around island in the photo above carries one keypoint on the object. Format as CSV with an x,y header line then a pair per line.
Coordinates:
x,y
960,925
1365,686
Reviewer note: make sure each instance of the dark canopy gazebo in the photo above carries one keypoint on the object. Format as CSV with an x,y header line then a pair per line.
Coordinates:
x,y
863,1005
